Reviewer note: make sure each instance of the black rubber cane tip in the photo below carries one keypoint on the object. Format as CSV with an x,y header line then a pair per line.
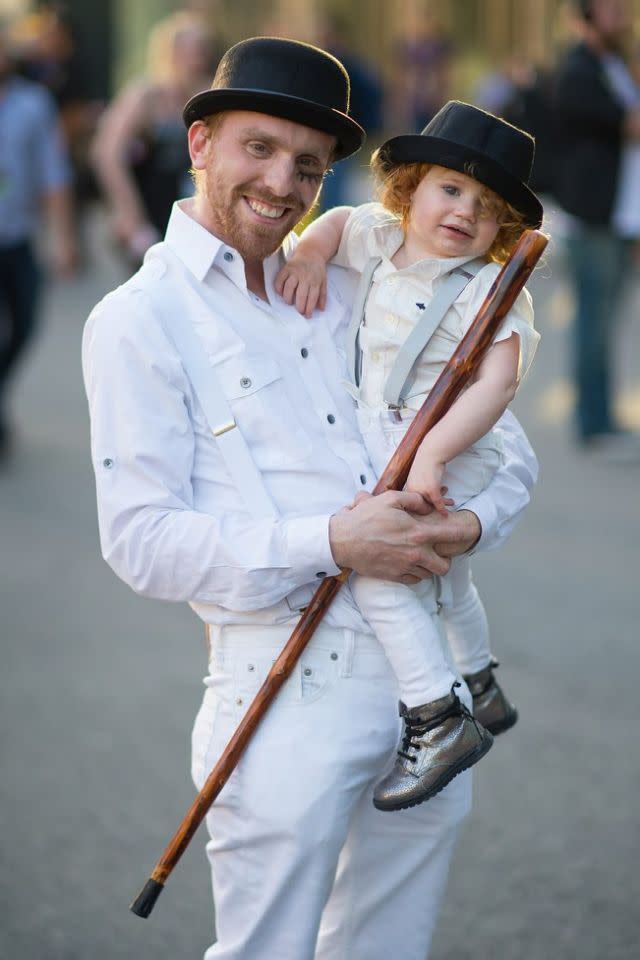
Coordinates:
x,y
146,899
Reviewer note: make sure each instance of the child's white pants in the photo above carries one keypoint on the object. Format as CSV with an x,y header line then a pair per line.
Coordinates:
x,y
304,867
402,617
405,621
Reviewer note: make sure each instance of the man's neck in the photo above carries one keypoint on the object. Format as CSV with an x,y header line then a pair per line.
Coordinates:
x,y
253,269
254,275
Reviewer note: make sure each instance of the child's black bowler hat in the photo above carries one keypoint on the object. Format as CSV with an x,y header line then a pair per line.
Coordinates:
x,y
464,138
283,78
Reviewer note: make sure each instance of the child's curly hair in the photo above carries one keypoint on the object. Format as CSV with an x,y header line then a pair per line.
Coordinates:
x,y
396,186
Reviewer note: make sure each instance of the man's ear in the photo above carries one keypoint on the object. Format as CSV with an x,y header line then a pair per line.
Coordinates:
x,y
199,139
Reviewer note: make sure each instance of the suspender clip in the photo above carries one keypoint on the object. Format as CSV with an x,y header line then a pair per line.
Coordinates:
x,y
223,428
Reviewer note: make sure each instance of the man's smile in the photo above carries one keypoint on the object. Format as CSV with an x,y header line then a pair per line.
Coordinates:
x,y
264,209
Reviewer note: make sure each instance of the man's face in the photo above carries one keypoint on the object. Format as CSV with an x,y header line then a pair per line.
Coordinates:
x,y
261,175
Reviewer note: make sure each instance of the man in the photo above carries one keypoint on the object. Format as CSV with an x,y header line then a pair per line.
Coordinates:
x,y
303,865
34,172
598,111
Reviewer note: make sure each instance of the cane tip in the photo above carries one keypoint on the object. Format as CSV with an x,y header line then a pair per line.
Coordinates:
x,y
146,899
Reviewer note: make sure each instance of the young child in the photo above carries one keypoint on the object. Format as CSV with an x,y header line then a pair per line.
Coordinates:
x,y
454,202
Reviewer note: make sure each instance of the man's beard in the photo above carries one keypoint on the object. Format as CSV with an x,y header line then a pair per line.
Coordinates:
x,y
253,241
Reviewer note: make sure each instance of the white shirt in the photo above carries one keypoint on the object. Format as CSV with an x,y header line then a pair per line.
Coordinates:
x,y
172,525
398,297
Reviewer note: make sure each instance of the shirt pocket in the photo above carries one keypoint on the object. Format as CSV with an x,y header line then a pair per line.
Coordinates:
x,y
263,410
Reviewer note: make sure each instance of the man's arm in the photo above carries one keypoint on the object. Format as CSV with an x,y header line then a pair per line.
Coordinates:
x,y
408,549
143,442
499,507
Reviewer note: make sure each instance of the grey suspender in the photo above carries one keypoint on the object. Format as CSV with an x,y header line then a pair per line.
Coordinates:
x,y
399,380
354,354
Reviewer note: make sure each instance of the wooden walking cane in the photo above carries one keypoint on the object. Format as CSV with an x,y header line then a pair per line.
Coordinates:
x,y
456,374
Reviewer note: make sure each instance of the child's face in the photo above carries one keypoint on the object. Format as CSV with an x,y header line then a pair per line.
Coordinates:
x,y
452,215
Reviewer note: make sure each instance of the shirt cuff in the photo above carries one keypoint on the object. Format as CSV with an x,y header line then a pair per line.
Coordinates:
x,y
485,510
308,549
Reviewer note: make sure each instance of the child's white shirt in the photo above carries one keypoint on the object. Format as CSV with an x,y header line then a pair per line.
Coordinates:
x,y
394,307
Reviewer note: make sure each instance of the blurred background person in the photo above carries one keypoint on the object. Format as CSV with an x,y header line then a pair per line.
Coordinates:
x,y
530,106
423,58
342,184
598,113
140,152
47,52
495,87
34,173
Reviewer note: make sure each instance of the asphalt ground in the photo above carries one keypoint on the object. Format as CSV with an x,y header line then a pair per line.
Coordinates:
x,y
99,687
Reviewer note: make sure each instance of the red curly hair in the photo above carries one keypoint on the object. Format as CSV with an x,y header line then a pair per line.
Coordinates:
x,y
396,186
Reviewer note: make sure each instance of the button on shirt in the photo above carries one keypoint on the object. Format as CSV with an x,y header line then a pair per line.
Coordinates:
x,y
398,297
172,524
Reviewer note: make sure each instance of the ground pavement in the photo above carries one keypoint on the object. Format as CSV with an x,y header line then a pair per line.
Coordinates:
x,y
98,689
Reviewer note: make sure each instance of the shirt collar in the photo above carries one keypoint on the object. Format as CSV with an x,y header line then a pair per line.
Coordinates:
x,y
439,266
190,241
199,249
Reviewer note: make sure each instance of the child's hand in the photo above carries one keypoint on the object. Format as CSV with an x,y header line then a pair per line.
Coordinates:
x,y
425,477
302,282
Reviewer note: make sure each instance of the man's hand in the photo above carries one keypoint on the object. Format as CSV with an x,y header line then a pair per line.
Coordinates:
x,y
393,536
303,282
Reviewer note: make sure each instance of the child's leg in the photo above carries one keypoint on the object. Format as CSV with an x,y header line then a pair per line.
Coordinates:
x,y
404,621
466,621
440,738
468,635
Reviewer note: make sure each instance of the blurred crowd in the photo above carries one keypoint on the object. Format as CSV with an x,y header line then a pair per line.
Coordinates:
x,y
63,154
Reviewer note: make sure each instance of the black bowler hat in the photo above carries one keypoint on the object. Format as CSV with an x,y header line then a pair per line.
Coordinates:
x,y
465,138
283,78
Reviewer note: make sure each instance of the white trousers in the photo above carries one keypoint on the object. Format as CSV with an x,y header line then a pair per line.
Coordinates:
x,y
303,866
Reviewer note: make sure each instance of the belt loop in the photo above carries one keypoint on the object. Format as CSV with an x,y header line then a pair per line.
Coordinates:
x,y
349,638
213,637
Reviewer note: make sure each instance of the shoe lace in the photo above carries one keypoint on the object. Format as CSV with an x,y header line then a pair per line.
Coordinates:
x,y
415,728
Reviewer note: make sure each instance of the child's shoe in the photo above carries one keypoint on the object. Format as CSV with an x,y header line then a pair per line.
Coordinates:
x,y
440,739
490,706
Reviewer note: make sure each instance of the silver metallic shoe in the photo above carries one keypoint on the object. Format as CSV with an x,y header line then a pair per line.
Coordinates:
x,y
440,740
490,705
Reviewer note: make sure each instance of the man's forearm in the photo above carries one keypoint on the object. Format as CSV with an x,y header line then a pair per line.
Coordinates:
x,y
499,507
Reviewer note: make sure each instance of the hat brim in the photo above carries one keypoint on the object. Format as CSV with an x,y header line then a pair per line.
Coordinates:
x,y
349,134
418,148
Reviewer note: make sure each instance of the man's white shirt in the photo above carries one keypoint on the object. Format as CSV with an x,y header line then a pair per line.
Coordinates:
x,y
172,524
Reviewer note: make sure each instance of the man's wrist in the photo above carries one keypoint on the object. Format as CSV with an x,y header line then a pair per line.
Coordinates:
x,y
475,528
338,538
467,535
